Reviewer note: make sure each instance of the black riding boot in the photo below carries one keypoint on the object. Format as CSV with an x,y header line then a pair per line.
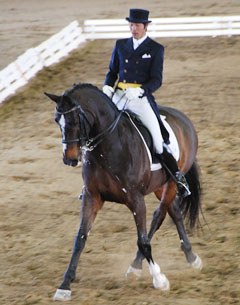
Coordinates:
x,y
170,165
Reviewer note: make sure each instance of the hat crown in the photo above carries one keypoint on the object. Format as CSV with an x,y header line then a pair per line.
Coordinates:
x,y
137,15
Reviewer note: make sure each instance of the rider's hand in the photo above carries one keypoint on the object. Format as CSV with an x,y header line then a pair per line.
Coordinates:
x,y
134,93
108,90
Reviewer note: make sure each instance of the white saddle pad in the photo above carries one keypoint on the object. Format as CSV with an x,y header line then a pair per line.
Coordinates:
x,y
173,146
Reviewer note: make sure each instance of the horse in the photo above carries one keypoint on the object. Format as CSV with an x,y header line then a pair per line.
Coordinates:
x,y
116,168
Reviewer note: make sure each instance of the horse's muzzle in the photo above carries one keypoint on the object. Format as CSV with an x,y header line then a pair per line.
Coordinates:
x,y
71,155
70,162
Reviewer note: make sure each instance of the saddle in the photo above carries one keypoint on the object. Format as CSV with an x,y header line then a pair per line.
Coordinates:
x,y
148,141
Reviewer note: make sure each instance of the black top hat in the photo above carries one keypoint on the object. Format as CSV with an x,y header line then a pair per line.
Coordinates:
x,y
137,15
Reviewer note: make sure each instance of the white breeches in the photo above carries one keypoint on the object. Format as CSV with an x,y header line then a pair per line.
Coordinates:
x,y
144,111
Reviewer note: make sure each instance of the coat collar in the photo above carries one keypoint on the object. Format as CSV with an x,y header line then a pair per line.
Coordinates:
x,y
141,49
138,42
129,47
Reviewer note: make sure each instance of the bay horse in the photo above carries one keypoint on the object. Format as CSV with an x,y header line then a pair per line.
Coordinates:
x,y
116,168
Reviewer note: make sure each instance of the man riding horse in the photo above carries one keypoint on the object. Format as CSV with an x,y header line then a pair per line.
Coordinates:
x,y
135,72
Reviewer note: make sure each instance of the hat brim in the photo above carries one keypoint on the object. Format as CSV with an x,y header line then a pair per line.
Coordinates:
x,y
137,20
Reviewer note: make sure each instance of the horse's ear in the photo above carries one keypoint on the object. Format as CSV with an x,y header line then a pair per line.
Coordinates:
x,y
53,97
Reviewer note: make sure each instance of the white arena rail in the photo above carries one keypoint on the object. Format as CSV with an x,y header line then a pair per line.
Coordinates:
x,y
18,73
165,27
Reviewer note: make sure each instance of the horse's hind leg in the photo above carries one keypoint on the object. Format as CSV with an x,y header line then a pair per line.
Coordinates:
x,y
139,212
90,207
175,213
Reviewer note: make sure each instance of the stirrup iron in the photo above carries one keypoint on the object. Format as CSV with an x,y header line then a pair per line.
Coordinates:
x,y
182,185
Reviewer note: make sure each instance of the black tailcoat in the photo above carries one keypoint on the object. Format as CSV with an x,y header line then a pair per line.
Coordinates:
x,y
141,66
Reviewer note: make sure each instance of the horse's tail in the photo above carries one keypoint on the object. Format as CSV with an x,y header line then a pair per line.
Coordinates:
x,y
191,205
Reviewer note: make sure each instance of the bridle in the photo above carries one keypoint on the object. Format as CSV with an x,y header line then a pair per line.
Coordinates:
x,y
82,118
87,143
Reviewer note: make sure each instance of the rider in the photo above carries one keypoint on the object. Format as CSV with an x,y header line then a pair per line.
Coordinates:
x,y
135,72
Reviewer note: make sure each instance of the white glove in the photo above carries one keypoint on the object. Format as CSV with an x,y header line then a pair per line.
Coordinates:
x,y
108,90
134,93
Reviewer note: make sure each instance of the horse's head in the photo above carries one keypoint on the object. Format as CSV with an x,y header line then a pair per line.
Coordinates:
x,y
85,116
69,117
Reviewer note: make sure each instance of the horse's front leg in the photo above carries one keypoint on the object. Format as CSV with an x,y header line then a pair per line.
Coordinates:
x,y
158,217
139,212
90,207
193,259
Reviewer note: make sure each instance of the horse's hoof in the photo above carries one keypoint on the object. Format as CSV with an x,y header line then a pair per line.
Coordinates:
x,y
197,263
161,282
62,295
133,271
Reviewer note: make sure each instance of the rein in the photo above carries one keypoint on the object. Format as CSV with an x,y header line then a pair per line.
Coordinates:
x,y
90,145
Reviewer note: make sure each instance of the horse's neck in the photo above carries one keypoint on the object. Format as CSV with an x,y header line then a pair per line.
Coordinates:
x,y
102,110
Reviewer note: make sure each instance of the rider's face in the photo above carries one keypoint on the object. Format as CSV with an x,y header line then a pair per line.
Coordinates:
x,y
138,30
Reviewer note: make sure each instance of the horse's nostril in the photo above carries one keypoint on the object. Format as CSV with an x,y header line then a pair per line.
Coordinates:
x,y
74,163
70,162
